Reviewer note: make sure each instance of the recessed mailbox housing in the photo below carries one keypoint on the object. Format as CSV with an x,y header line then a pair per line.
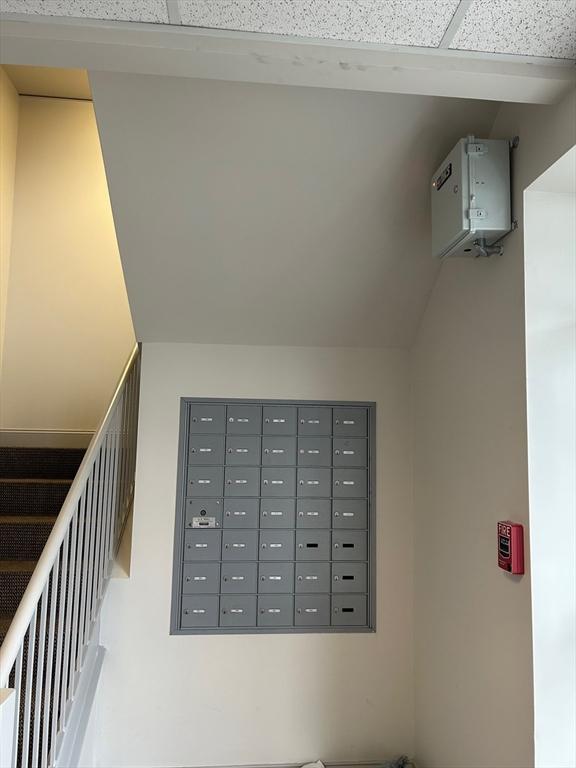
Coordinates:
x,y
275,517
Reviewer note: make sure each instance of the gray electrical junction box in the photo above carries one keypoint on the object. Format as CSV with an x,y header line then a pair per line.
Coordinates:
x,y
471,198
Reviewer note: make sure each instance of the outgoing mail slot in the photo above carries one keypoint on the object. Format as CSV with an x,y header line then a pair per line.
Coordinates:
x,y
202,545
242,450
277,513
349,545
206,449
205,481
312,545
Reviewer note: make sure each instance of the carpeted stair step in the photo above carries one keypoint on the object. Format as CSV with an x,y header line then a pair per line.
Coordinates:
x,y
48,463
22,537
32,496
14,578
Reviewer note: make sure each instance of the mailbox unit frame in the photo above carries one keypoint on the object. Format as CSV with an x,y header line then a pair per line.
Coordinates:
x,y
179,565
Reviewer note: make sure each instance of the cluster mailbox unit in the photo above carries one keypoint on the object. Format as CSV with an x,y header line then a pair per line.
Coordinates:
x,y
275,517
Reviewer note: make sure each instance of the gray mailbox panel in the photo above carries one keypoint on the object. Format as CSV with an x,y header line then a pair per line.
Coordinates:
x,y
275,528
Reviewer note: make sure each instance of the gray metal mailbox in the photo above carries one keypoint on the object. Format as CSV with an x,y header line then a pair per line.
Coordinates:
x,y
275,517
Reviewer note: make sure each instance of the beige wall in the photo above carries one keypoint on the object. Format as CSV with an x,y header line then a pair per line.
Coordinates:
x,y
229,700
8,142
473,622
68,326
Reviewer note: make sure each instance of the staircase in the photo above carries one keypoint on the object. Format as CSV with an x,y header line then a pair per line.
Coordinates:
x,y
33,485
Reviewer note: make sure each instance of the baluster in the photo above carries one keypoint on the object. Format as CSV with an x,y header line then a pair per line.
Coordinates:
x,y
40,659
48,708
18,695
96,495
26,721
78,586
59,646
84,565
64,693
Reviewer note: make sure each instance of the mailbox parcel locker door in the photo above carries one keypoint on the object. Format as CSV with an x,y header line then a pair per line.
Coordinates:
x,y
206,449
207,419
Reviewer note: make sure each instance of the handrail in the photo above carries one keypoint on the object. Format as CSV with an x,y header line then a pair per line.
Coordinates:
x,y
39,579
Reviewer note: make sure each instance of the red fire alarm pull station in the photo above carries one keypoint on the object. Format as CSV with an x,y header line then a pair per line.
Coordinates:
x,y
511,546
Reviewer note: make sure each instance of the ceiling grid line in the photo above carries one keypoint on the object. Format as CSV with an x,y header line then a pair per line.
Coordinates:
x,y
455,23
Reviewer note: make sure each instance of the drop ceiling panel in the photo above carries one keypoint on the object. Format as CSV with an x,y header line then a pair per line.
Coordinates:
x,y
118,10
527,27
401,22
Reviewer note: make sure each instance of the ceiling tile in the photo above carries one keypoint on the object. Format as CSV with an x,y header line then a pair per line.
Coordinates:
x,y
401,22
119,10
528,27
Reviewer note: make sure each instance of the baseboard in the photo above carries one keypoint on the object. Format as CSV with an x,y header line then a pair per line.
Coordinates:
x,y
44,438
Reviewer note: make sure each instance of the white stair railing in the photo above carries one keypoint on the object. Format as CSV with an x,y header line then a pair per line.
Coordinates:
x,y
43,654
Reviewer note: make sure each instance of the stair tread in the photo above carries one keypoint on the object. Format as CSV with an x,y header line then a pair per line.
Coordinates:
x,y
37,480
17,566
27,519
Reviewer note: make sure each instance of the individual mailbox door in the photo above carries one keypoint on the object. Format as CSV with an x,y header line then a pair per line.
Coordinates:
x,y
244,420
350,422
314,482
205,481
275,611
312,611
238,611
202,545
350,452
276,577
350,513
200,578
312,577
203,513
242,450
349,610
313,513
199,611
276,545
242,481
312,545
278,481
239,545
278,451
206,449
349,577
314,420
279,420
349,545
277,513
240,513
239,578
207,419
314,451
349,483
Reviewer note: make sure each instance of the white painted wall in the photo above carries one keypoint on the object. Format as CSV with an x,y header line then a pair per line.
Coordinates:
x,y
550,259
472,621
68,327
8,142
202,701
